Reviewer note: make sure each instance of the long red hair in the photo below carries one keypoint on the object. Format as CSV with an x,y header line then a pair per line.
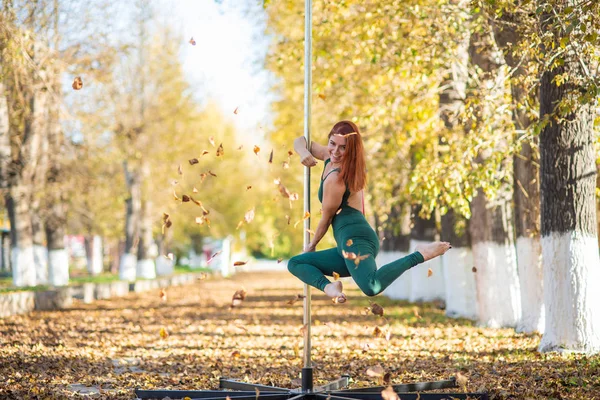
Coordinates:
x,y
353,170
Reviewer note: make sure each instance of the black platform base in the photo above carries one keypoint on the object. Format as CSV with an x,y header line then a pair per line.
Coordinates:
x,y
236,390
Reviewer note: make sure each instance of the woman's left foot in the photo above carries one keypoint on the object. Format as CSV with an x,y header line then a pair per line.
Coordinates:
x,y
335,291
432,250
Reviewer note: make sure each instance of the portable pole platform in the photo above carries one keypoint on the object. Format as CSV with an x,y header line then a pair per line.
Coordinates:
x,y
236,390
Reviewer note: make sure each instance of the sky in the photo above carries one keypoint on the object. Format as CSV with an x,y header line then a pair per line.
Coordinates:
x,y
226,62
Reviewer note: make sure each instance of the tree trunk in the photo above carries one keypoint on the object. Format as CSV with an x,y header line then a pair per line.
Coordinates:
x,y
395,235
526,194
424,287
457,264
21,235
128,263
491,227
569,237
147,248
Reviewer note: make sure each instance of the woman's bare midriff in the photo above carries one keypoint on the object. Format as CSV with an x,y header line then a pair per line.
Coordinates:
x,y
355,200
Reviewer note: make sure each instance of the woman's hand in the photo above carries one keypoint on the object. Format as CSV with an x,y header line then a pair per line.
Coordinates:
x,y
310,248
308,160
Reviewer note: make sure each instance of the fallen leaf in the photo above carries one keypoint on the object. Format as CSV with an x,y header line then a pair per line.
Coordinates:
x,y
163,333
77,83
235,354
461,380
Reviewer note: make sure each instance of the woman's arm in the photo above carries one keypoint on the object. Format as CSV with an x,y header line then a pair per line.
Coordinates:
x,y
316,150
333,192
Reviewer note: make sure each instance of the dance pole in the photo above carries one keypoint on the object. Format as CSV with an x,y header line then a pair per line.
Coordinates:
x,y
307,372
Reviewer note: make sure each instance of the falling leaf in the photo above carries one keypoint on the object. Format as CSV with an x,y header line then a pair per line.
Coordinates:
x,y
429,272
279,260
377,332
295,299
179,170
389,394
170,256
185,198
271,157
287,217
193,161
375,371
388,335
213,256
205,152
416,313
212,173
248,187
236,110
285,165
211,140
77,83
163,333
294,196
349,242
194,190
235,354
303,329
192,41
249,216
322,96
336,276
220,151
239,263
241,147
474,269
338,211
239,225
202,177
310,232
175,196
198,203
163,294
199,220
256,149
290,153
377,309
238,297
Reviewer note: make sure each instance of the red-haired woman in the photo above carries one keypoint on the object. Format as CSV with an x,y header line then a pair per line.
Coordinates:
x,y
341,194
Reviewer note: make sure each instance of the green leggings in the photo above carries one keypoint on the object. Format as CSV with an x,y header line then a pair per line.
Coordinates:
x,y
311,268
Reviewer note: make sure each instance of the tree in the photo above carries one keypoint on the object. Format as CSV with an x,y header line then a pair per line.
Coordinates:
x,y
568,179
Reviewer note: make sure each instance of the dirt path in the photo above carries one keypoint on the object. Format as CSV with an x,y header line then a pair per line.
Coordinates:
x,y
110,347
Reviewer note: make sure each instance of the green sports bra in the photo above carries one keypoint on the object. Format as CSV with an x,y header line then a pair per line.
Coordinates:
x,y
346,193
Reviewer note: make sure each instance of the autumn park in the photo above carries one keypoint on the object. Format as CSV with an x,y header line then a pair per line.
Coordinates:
x,y
184,214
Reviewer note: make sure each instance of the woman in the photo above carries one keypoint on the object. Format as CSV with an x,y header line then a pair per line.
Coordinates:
x,y
342,196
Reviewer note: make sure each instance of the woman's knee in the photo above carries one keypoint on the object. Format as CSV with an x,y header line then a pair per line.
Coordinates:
x,y
292,265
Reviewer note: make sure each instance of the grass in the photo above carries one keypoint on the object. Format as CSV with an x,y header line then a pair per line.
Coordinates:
x,y
79,277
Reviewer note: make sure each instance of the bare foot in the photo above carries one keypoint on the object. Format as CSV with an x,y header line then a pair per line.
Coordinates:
x,y
432,250
335,291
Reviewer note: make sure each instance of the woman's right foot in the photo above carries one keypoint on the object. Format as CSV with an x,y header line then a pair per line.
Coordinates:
x,y
335,291
432,250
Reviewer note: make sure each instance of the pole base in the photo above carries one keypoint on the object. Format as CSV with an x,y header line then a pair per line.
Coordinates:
x,y
236,390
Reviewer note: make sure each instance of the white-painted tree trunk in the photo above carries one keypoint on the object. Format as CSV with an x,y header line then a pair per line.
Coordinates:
x,y
529,256
40,258
461,296
23,266
571,295
400,288
499,305
164,266
127,267
58,267
146,269
95,258
422,286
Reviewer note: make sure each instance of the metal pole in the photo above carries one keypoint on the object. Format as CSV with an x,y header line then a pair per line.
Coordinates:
x,y
307,379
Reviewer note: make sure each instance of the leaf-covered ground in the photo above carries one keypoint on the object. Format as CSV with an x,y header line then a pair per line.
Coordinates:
x,y
110,347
